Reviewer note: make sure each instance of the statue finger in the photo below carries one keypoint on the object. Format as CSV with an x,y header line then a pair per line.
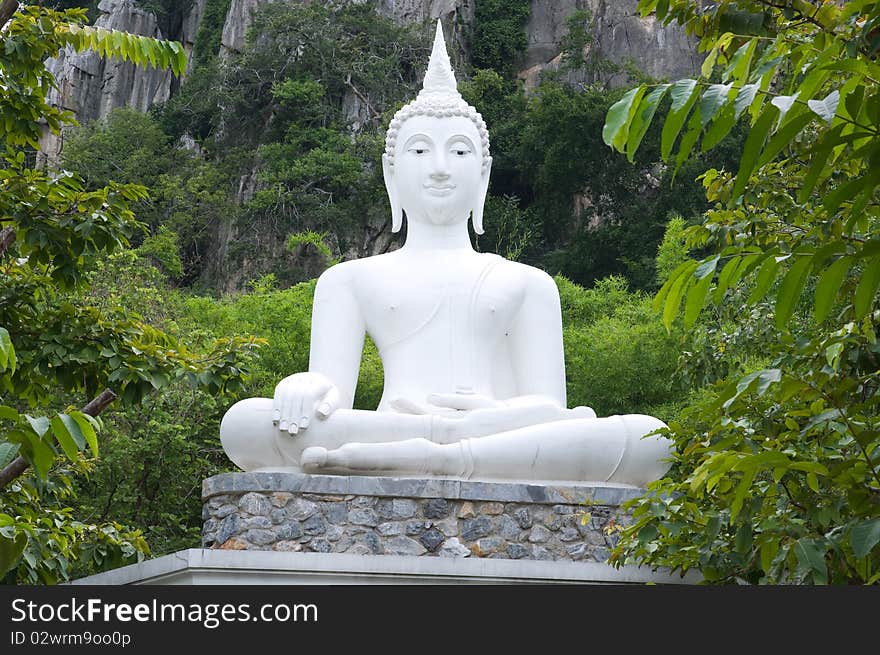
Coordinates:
x,y
328,403
292,428
299,418
286,413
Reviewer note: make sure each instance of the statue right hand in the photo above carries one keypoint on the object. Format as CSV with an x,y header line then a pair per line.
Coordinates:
x,y
301,397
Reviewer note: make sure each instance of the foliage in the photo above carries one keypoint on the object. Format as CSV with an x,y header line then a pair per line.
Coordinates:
x,y
776,477
54,349
499,37
618,358
210,33
672,251
509,230
52,544
163,248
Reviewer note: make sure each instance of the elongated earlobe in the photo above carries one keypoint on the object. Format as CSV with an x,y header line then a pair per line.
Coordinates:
x,y
477,215
396,210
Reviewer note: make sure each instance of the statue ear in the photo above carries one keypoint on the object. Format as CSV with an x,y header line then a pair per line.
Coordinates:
x,y
396,211
477,216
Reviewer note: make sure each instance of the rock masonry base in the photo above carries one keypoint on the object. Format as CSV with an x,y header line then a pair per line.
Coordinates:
x,y
361,515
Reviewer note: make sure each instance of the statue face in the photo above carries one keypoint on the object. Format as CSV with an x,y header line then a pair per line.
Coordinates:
x,y
437,174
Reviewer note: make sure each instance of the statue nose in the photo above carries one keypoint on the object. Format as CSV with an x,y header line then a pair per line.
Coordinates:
x,y
440,170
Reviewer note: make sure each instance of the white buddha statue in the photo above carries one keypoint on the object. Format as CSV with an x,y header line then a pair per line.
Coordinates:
x,y
471,343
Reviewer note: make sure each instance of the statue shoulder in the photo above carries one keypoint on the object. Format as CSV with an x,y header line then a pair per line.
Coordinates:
x,y
353,275
536,281
348,271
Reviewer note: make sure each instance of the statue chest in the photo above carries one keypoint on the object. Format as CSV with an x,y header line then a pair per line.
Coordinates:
x,y
459,308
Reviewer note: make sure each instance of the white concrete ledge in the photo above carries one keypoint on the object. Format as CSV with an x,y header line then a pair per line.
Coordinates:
x,y
198,566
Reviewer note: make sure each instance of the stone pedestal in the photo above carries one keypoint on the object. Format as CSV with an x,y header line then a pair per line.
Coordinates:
x,y
293,529
411,517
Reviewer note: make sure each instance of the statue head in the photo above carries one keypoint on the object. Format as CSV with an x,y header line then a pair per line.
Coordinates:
x,y
436,161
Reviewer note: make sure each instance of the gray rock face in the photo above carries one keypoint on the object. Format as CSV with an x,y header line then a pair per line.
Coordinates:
x,y
238,20
620,34
91,86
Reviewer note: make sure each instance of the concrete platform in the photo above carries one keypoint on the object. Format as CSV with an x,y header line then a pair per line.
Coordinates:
x,y
199,566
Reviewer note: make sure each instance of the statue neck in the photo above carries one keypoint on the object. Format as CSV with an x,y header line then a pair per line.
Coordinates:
x,y
421,236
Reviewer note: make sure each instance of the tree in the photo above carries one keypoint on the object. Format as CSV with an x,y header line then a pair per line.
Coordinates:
x,y
777,474
53,350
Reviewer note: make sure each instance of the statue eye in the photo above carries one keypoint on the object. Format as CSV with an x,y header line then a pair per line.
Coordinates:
x,y
419,151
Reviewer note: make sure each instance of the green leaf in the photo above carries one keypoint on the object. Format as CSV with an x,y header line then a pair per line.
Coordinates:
x,y
742,490
10,551
744,99
828,286
765,278
68,444
43,457
9,413
40,424
642,120
8,452
738,68
709,61
867,288
790,290
696,298
752,149
619,116
826,108
684,95
724,278
688,141
7,351
784,137
87,426
659,299
813,482
719,128
832,354
676,290
820,154
713,99
769,549
864,536
850,190
812,558
74,430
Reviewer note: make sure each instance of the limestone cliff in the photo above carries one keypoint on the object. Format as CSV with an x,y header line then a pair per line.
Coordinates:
x,y
91,86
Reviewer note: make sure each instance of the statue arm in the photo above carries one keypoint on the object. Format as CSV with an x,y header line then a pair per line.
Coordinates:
x,y
536,350
338,330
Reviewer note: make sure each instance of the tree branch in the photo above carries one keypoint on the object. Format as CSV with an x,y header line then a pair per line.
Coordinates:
x,y
8,8
363,98
19,465
7,236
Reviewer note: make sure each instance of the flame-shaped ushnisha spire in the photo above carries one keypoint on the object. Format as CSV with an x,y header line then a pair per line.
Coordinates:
x,y
439,78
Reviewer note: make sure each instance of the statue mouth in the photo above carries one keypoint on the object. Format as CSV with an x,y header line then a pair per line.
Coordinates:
x,y
443,190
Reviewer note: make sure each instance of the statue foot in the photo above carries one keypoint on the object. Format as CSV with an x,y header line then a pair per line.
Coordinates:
x,y
313,458
411,456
